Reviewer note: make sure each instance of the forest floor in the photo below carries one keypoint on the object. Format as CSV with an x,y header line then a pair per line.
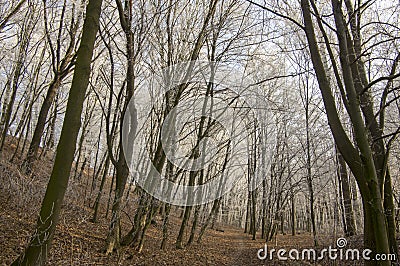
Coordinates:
x,y
78,241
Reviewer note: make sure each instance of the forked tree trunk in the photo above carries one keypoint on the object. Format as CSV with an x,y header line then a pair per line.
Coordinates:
x,y
360,160
113,238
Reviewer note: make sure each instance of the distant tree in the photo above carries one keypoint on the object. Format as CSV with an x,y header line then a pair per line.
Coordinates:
x,y
13,82
14,9
61,65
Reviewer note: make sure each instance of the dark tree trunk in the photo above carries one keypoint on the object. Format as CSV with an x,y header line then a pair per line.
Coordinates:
x,y
98,197
37,251
388,204
360,160
350,225
39,129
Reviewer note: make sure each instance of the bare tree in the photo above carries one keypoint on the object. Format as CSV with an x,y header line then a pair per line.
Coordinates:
x,y
62,65
37,251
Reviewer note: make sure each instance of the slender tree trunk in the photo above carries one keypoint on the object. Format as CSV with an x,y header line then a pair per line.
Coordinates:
x,y
98,197
293,212
340,203
194,224
309,173
113,238
165,226
39,129
110,192
112,242
186,216
388,204
211,216
248,209
96,168
264,208
217,202
350,225
14,87
50,141
39,245
253,214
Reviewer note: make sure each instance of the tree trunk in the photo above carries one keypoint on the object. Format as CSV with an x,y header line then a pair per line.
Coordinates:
x,y
360,160
350,225
309,173
39,129
264,208
14,88
389,212
112,242
103,180
253,214
165,226
213,213
248,209
293,212
39,245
